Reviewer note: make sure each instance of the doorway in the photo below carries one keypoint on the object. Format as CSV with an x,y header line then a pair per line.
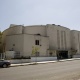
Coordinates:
x,y
62,55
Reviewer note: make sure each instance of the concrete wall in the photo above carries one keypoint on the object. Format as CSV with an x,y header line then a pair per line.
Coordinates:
x,y
13,29
19,61
23,43
76,56
29,42
59,37
15,42
37,29
75,40
39,59
9,54
33,59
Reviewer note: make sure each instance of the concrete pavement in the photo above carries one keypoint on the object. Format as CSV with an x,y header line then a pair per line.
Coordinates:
x,y
43,62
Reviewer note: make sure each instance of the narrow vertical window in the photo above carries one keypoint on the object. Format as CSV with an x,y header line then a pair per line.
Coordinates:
x,y
36,42
62,39
65,39
58,39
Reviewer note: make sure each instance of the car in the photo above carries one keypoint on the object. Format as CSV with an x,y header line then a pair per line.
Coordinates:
x,y
4,63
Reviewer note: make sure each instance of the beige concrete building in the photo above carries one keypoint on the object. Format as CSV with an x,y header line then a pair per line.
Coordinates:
x,y
50,39
22,41
59,39
75,41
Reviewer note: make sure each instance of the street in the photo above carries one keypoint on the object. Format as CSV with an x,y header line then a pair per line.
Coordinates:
x,y
68,70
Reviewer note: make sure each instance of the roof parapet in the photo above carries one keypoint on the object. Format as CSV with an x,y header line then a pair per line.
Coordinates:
x,y
14,25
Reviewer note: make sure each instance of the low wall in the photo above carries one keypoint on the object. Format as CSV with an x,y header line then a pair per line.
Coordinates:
x,y
38,59
33,59
76,56
16,61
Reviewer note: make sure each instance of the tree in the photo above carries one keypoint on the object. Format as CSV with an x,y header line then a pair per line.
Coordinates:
x,y
35,49
0,32
1,49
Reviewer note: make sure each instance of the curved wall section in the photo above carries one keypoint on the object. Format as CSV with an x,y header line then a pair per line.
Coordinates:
x,y
35,30
16,29
13,29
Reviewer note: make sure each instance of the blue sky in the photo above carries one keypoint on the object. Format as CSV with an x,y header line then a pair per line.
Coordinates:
x,y
34,12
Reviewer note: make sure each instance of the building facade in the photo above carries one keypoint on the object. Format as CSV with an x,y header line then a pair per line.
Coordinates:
x,y
75,41
59,38
50,40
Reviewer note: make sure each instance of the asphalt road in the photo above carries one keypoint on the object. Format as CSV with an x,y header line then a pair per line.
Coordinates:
x,y
69,70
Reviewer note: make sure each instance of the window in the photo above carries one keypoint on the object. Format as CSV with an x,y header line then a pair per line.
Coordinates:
x,y
37,34
13,44
36,42
50,54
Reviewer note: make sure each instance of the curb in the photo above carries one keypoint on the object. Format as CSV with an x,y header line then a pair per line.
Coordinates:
x,y
44,62
33,63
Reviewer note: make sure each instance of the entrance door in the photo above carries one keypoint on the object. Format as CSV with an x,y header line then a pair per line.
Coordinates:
x,y
62,55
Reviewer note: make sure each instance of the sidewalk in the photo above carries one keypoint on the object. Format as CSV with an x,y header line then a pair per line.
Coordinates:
x,y
43,62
